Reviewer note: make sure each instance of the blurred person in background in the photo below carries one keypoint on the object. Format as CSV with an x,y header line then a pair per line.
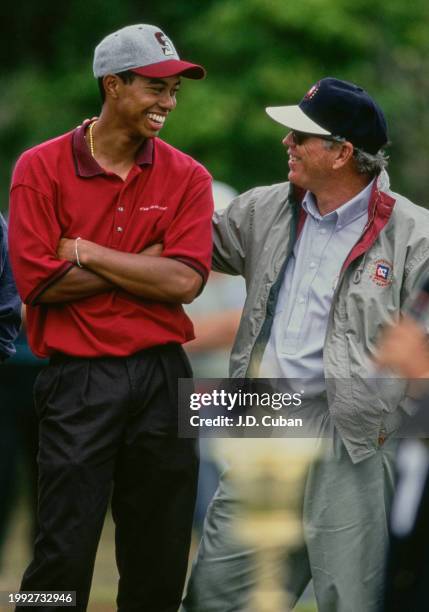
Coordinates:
x,y
84,210
10,304
18,436
404,350
328,258
216,315
10,321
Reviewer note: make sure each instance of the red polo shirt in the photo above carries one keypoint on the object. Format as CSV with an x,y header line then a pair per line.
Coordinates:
x,y
59,190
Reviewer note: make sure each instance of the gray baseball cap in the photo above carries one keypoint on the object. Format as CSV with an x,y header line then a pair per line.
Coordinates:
x,y
143,49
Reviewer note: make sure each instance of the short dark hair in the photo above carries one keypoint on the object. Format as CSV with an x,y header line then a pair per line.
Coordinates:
x,y
127,76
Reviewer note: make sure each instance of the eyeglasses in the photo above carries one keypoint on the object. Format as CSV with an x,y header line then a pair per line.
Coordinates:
x,y
300,137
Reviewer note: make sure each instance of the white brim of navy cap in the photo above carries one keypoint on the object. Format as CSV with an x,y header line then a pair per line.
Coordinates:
x,y
295,119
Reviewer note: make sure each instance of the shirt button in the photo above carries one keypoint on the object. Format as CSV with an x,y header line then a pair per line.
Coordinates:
x,y
119,229
312,265
301,300
323,231
121,208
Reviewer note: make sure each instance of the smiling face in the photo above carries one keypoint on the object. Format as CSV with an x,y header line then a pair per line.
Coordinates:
x,y
311,163
143,105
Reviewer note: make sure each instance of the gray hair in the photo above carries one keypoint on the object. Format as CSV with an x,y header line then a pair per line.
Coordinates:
x,y
366,163
370,164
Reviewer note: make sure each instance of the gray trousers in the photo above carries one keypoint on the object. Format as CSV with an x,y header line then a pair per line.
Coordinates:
x,y
345,528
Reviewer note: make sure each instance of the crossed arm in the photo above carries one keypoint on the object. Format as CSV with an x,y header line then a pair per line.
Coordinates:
x,y
145,274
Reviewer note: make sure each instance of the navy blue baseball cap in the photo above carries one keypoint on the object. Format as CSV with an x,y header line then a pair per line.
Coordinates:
x,y
333,107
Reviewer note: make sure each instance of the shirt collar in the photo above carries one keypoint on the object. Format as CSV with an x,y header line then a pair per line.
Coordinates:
x,y
346,213
86,166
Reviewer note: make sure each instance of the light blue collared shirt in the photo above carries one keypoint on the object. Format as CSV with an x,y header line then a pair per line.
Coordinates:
x,y
295,346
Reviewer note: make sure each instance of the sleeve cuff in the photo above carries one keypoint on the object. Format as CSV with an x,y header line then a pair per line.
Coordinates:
x,y
37,292
197,267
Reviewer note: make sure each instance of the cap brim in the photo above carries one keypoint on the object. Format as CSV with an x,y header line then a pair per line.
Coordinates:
x,y
295,119
171,68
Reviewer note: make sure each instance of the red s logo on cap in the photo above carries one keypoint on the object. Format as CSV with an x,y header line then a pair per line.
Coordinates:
x,y
167,47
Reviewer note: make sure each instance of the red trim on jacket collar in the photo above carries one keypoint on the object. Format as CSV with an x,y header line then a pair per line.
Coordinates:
x,y
298,194
380,208
86,166
302,216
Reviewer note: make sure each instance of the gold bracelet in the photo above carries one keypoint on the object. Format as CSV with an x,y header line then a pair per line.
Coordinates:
x,y
76,252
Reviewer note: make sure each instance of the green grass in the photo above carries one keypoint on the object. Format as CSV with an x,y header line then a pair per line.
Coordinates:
x,y
307,607
16,556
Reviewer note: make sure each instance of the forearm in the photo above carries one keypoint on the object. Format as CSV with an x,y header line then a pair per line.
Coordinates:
x,y
79,283
75,285
155,278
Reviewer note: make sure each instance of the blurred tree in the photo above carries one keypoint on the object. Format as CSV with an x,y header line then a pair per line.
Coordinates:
x,y
258,53
268,52
46,53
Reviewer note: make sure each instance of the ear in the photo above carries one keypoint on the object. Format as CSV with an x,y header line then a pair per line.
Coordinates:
x,y
112,84
344,155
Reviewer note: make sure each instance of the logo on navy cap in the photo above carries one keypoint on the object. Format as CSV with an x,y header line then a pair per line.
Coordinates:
x,y
312,92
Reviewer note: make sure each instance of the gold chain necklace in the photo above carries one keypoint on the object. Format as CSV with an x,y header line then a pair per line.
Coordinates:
x,y
91,138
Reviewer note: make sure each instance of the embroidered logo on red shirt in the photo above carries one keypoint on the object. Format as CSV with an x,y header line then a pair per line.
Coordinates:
x,y
153,207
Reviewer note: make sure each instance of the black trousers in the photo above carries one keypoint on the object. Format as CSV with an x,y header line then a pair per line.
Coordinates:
x,y
113,421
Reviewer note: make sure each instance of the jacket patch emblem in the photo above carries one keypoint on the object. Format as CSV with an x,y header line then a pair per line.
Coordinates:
x,y
382,272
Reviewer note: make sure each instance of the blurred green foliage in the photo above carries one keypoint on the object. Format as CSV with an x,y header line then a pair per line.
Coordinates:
x,y
258,53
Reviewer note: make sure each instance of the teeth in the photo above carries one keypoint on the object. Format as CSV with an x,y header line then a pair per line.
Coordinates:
x,y
157,118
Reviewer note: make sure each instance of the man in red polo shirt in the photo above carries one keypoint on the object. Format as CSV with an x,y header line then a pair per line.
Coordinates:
x,y
85,207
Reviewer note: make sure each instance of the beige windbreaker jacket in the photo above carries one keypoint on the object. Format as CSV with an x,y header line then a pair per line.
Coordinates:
x,y
254,237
